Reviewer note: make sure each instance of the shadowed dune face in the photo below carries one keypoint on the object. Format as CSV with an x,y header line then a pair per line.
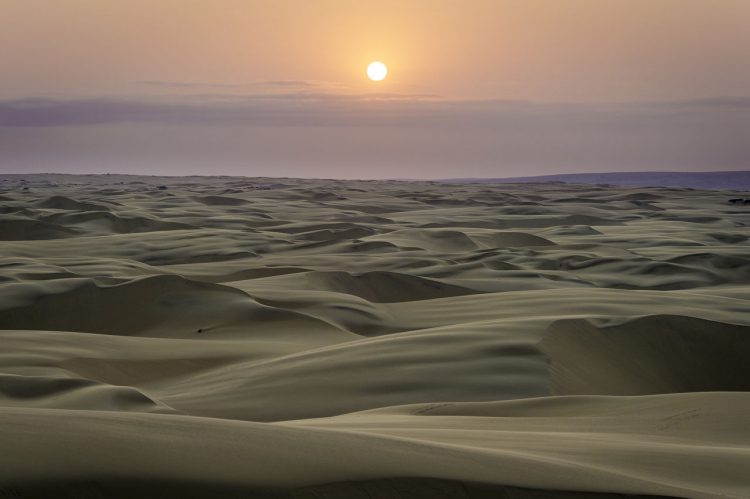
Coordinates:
x,y
20,229
69,204
253,337
384,287
654,354
165,306
387,488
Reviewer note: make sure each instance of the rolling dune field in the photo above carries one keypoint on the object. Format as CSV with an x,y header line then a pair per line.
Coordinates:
x,y
197,337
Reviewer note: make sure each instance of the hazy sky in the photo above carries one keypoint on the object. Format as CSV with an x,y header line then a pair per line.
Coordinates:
x,y
278,87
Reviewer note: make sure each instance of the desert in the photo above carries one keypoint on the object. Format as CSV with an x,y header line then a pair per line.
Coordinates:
x,y
280,337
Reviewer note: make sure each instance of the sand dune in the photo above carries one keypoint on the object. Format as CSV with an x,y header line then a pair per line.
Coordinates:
x,y
220,201
166,306
213,336
103,221
384,287
674,354
73,393
535,447
430,239
31,230
69,204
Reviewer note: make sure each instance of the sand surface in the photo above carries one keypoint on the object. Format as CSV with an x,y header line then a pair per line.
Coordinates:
x,y
243,337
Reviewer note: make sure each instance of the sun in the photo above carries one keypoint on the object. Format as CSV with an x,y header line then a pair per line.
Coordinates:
x,y
377,71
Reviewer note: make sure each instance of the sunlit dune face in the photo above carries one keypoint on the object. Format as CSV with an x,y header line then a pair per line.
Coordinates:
x,y
377,71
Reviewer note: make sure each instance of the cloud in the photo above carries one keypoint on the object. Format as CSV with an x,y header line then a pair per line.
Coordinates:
x,y
289,132
270,86
264,109
269,83
331,110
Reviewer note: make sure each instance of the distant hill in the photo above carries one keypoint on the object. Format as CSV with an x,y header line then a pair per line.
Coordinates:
x,y
734,180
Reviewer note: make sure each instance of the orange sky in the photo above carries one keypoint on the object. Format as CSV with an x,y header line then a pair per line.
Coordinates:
x,y
510,49
278,87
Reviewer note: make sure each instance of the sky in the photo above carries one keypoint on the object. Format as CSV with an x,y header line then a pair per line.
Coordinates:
x,y
476,88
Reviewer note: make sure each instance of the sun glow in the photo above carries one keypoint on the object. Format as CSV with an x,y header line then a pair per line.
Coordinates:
x,y
377,71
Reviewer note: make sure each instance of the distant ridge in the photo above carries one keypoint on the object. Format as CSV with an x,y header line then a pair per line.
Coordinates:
x,y
734,180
